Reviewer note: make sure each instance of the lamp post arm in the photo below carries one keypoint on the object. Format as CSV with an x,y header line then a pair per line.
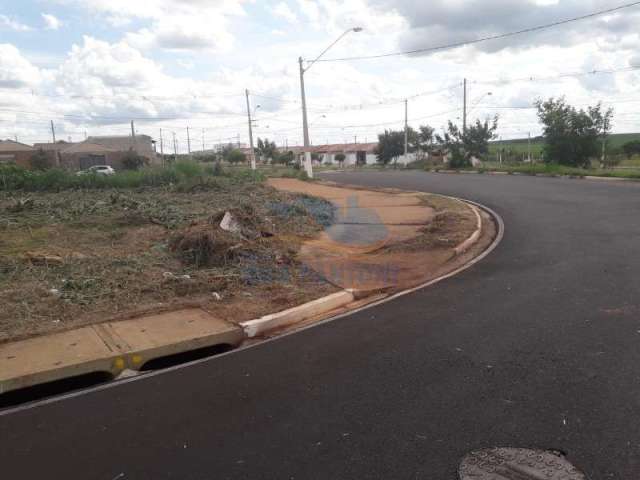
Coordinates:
x,y
327,49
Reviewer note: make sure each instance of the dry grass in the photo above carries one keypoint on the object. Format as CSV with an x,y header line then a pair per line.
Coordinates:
x,y
80,257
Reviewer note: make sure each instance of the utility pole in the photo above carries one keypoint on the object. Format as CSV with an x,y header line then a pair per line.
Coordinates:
x,y
133,130
464,107
529,147
252,154
203,140
305,124
161,148
175,147
53,132
406,129
188,143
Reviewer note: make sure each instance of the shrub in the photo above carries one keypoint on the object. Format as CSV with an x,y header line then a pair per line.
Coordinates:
x,y
236,156
40,160
132,161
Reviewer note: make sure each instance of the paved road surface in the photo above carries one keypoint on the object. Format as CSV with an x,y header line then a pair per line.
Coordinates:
x,y
538,345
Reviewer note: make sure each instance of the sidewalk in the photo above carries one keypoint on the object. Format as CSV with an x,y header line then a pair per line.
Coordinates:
x,y
374,243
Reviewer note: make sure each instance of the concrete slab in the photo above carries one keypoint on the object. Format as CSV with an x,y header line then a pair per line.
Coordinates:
x,y
168,333
52,357
111,347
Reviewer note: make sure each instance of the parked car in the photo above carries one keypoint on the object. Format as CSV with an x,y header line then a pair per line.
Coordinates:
x,y
98,170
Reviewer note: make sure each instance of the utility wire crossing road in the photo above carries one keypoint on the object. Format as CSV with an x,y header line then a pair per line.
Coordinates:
x,y
537,346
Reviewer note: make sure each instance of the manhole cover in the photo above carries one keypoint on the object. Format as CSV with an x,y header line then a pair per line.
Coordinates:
x,y
517,464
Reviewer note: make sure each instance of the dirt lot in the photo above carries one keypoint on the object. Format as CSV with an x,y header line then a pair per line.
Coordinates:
x,y
79,257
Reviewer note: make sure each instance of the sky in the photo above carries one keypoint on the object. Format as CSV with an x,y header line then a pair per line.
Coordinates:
x,y
92,66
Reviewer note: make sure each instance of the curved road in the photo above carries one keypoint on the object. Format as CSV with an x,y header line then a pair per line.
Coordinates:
x,y
537,345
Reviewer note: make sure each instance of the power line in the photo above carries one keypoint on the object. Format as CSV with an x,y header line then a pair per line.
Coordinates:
x,y
488,38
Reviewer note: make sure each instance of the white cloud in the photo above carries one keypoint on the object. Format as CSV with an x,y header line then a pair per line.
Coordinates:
x,y
282,10
15,70
170,33
173,25
9,23
51,21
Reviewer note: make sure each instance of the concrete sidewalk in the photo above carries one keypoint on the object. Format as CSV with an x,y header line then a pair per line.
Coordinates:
x,y
355,252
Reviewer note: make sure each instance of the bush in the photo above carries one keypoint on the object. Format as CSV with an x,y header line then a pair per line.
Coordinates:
x,y
340,157
40,161
236,156
132,161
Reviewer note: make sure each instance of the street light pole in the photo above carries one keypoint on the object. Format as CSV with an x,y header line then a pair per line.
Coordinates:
x,y
305,123
252,153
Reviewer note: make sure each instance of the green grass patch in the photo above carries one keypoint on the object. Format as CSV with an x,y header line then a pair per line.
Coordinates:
x,y
184,174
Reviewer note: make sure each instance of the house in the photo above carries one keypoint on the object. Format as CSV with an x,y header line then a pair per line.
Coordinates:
x,y
107,150
355,153
86,154
143,145
53,150
17,153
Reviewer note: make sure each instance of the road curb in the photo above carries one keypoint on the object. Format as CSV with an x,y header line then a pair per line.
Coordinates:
x,y
475,236
320,306
541,175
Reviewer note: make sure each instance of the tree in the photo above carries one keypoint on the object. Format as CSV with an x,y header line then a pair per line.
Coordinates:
x,y
573,137
266,149
132,161
285,158
425,139
390,146
236,156
463,146
40,160
631,148
340,158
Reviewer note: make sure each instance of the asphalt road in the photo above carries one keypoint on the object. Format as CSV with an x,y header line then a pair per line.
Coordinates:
x,y
538,345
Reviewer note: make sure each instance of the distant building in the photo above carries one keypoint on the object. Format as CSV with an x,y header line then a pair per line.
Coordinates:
x,y
17,153
103,150
355,153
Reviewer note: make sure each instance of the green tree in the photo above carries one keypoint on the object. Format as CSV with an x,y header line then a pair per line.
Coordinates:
x,y
390,146
236,156
40,160
284,158
463,146
573,137
425,140
631,148
266,149
340,158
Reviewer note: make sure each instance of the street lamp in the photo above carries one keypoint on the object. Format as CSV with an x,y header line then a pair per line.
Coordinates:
x,y
305,124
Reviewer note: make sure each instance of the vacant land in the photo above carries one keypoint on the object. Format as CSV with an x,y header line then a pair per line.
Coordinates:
x,y
75,257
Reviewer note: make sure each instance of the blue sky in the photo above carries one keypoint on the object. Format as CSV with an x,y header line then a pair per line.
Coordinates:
x,y
91,65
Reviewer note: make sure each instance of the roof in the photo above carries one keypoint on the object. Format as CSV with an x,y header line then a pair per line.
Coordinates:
x,y
58,146
11,146
142,144
335,148
88,147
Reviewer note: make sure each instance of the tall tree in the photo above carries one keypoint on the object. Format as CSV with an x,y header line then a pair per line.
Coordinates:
x,y
390,146
463,146
266,149
573,137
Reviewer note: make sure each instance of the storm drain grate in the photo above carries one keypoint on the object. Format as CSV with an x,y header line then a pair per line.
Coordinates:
x,y
517,464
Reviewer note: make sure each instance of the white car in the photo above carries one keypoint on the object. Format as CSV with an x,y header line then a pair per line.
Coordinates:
x,y
98,170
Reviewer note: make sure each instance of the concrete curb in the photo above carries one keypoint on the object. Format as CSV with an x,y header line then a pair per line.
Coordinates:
x,y
253,328
542,175
474,237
